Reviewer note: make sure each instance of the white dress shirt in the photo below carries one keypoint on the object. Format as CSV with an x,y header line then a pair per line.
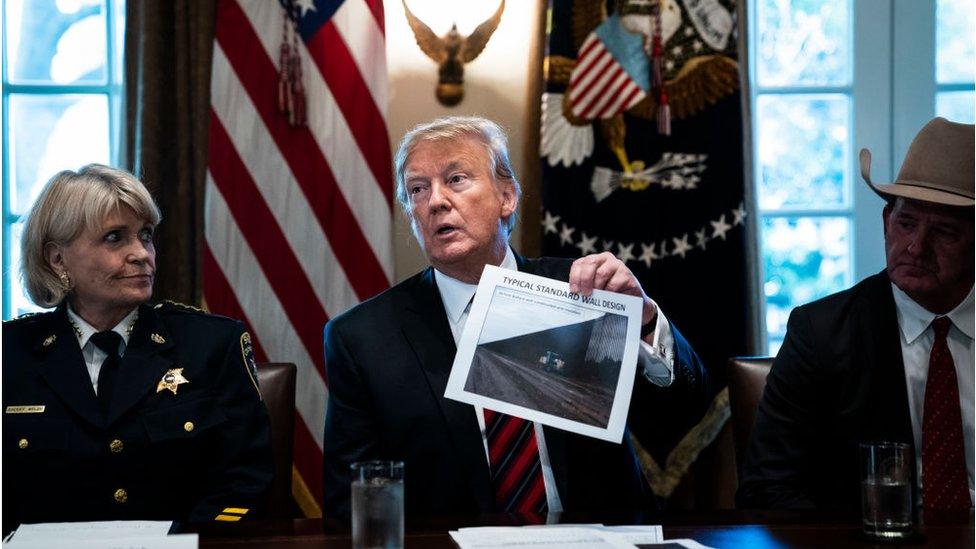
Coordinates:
x,y
917,338
656,359
94,357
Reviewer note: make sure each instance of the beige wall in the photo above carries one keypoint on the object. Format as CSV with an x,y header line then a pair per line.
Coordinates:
x,y
501,84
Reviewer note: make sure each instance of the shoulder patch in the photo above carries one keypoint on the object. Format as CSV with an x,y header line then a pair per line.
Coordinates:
x,y
247,355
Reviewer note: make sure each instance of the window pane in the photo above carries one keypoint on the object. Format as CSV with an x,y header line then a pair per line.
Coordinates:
x,y
955,36
803,42
802,151
118,11
956,106
50,133
804,258
19,303
55,41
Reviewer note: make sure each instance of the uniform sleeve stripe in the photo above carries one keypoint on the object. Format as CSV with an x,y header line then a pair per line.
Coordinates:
x,y
235,510
227,518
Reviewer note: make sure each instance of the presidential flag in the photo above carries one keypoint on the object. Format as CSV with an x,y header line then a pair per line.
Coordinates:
x,y
671,206
298,190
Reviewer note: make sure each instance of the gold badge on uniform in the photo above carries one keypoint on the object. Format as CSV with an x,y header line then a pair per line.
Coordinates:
x,y
49,340
171,380
157,339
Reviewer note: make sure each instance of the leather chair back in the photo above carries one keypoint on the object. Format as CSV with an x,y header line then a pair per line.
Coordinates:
x,y
277,382
747,379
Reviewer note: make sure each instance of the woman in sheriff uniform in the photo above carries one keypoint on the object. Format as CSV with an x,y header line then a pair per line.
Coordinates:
x,y
115,408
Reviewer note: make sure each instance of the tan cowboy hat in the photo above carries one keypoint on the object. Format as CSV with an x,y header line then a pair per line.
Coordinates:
x,y
939,166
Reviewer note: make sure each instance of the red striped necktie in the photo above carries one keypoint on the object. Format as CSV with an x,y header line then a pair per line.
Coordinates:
x,y
945,482
516,471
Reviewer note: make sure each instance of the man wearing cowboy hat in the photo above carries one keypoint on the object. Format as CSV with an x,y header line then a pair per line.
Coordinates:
x,y
890,359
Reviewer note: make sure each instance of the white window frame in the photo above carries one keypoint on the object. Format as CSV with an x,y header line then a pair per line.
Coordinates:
x,y
112,88
893,94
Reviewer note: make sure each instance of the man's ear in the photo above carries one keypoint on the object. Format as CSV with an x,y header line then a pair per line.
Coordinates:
x,y
885,213
509,199
54,254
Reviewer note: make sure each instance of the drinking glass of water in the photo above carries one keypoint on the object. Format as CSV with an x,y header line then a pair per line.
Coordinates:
x,y
377,505
886,489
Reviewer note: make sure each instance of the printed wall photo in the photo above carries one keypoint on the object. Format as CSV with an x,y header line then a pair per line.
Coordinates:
x,y
569,370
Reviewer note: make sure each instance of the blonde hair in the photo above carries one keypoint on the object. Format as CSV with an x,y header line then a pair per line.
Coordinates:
x,y
449,128
70,203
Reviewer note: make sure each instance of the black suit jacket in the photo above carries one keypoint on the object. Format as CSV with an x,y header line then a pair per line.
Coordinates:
x,y
837,381
184,456
388,361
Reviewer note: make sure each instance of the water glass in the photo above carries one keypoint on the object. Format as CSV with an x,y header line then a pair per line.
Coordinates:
x,y
886,489
377,505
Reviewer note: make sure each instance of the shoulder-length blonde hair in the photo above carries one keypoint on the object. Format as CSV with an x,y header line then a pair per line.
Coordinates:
x,y
70,203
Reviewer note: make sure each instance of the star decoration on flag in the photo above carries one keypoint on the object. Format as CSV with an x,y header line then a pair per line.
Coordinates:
x,y
566,235
738,214
306,6
550,223
720,227
700,238
679,246
624,253
587,245
648,255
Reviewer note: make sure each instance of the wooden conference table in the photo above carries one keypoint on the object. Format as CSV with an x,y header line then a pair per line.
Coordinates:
x,y
759,530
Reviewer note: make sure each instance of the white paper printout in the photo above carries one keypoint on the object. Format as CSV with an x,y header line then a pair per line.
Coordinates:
x,y
532,349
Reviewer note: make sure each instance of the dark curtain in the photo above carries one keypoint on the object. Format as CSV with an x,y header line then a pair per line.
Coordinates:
x,y
168,49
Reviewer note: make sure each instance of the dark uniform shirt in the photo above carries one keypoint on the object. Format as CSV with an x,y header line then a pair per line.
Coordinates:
x,y
186,436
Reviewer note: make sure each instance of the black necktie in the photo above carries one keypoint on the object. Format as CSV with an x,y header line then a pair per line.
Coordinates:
x,y
108,341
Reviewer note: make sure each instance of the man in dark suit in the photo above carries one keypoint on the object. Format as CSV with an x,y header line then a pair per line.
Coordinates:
x,y
890,359
388,360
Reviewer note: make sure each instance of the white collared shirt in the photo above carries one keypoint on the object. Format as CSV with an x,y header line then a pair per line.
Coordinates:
x,y
917,338
94,357
656,359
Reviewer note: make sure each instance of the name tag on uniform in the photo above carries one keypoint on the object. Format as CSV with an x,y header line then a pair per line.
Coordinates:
x,y
35,409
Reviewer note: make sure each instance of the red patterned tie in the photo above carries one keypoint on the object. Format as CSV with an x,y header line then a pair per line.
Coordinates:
x,y
945,483
516,471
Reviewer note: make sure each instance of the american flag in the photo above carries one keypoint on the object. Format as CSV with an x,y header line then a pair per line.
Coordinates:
x,y
298,219
611,73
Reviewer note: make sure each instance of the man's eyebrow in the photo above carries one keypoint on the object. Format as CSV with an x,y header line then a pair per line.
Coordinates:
x,y
455,164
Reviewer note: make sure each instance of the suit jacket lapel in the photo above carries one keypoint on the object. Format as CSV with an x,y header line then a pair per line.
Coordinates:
x,y
426,328
889,403
62,367
142,364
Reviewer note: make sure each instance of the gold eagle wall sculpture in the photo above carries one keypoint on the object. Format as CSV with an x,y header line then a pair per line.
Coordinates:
x,y
452,51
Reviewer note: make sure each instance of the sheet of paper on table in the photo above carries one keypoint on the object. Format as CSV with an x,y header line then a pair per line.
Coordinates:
x,y
532,349
121,534
554,537
574,536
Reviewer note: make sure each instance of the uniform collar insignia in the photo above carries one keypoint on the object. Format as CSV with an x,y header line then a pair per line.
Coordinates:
x,y
49,340
171,380
157,338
